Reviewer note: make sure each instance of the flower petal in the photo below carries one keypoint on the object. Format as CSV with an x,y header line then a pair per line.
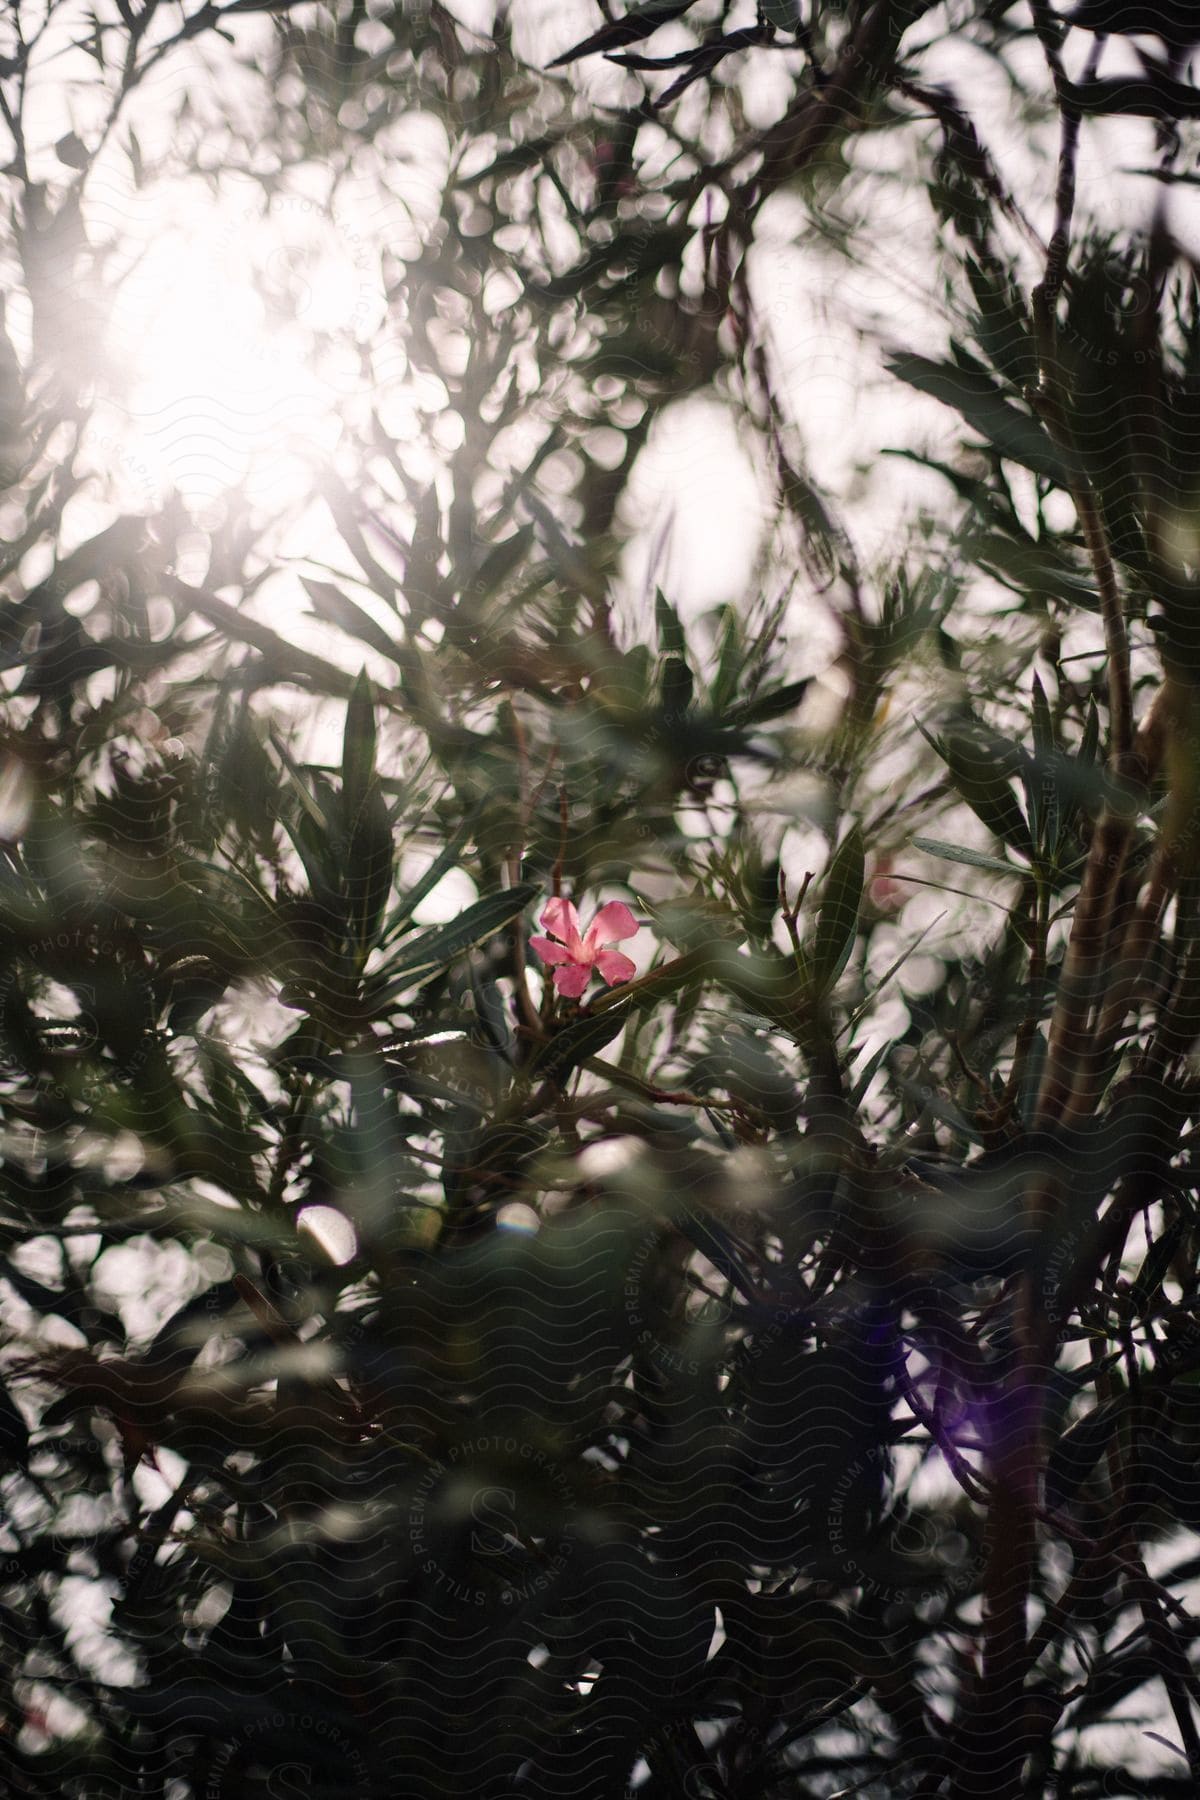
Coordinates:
x,y
572,979
548,950
613,922
561,920
614,966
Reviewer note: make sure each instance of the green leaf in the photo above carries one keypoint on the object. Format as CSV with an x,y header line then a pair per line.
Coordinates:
x,y
568,560
299,786
229,1124
576,1042
1157,1266
730,662
500,561
672,639
369,1198
958,853
317,855
1031,1086
978,401
368,874
677,690
1032,570
358,749
441,865
514,160
925,1099
1076,1452
335,608
441,946
344,508
824,545
866,1074
281,661
876,988
979,769
216,1053
1002,329
425,591
1089,744
1043,725
635,25
771,705
837,921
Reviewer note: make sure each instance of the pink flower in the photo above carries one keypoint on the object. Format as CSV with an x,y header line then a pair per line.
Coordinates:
x,y
885,893
575,957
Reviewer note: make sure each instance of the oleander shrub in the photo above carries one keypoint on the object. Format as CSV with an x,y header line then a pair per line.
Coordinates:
x,y
736,1338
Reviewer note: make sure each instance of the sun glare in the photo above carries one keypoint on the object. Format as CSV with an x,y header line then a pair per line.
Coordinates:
x,y
235,343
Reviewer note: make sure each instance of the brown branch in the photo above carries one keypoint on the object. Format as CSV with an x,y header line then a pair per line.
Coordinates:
x,y
1070,1037
1084,967
1027,1029
525,1006
1127,976
1173,1668
993,1733
968,1478
1050,401
805,129
996,1736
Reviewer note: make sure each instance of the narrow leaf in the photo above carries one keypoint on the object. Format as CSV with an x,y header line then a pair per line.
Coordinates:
x,y
425,884
980,776
771,705
582,1038
439,947
958,853
1090,742
635,25
335,608
672,639
1076,1452
286,662
981,405
837,921
369,857
867,1073
1043,725
358,748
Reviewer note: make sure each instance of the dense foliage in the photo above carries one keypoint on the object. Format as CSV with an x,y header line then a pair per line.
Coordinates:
x,y
774,1374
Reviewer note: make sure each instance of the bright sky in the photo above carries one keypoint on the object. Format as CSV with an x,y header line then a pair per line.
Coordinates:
x,y
238,344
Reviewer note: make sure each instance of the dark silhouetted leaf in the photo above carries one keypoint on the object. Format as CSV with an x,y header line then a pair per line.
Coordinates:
x,y
837,921
424,956
576,1042
640,23
330,604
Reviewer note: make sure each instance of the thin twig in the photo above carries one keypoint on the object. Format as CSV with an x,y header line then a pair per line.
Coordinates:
x,y
994,1736
525,1006
968,1479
